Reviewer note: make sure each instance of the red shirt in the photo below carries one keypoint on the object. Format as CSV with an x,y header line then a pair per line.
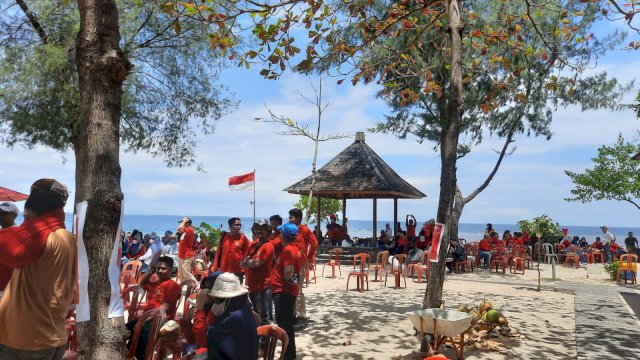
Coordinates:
x,y
484,245
402,241
289,257
233,249
411,230
259,278
185,247
566,243
277,245
598,245
422,245
497,243
518,241
306,240
167,291
141,252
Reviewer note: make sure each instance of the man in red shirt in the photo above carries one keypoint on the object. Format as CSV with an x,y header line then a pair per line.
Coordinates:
x,y
285,279
410,223
161,294
258,265
232,249
186,257
484,250
308,244
275,221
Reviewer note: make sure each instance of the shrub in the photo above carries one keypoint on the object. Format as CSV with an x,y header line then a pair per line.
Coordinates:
x,y
612,268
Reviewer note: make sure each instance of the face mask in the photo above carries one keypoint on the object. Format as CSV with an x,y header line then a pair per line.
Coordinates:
x,y
135,242
218,309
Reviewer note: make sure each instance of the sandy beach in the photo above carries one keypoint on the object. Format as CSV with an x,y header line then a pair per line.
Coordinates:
x,y
375,323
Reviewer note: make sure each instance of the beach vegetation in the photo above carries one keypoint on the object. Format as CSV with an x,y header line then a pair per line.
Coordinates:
x,y
327,208
545,230
210,235
612,268
614,175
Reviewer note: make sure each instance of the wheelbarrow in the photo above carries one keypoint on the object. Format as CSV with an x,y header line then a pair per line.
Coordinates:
x,y
445,326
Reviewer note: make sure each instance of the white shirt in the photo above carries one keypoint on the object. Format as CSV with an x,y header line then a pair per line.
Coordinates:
x,y
151,252
608,238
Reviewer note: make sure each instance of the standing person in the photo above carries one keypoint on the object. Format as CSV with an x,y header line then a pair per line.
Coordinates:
x,y
275,221
410,223
232,250
308,245
608,240
37,299
489,229
258,265
285,284
8,213
387,230
186,257
334,231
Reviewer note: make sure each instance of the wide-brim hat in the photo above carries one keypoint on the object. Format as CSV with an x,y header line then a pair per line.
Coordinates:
x,y
227,286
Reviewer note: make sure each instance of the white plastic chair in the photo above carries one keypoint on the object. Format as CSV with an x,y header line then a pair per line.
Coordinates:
x,y
549,254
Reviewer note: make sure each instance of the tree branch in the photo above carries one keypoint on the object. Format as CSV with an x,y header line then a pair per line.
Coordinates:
x,y
33,19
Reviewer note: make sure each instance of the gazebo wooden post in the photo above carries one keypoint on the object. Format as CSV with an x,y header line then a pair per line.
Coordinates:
x,y
395,215
318,218
344,210
375,218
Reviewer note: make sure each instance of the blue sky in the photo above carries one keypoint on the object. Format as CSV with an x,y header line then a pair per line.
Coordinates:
x,y
530,182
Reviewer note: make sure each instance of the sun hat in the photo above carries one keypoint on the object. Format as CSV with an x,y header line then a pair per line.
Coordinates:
x,y
9,207
289,229
227,286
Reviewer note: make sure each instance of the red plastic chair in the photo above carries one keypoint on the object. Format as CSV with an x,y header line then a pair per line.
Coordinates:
x,y
398,271
199,274
311,266
597,254
499,259
130,273
518,257
572,257
132,300
157,317
362,262
560,252
334,260
72,343
628,264
380,266
421,267
273,334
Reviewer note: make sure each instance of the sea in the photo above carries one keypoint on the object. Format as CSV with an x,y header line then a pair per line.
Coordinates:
x,y
357,228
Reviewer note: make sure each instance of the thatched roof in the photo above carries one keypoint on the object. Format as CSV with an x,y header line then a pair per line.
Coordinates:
x,y
357,172
636,157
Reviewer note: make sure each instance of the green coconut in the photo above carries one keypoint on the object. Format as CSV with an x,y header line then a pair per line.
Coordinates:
x,y
491,317
485,306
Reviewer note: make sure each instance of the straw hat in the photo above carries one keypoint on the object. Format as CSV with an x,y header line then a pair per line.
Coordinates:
x,y
227,286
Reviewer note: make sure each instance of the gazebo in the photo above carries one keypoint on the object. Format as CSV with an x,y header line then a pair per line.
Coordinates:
x,y
358,173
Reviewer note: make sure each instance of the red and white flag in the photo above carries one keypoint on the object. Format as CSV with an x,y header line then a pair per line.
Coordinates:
x,y
242,182
438,230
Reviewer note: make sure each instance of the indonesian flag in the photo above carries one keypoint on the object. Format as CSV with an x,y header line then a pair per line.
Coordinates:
x,y
242,182
438,230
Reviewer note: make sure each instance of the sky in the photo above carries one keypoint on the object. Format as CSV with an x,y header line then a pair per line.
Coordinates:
x,y
530,182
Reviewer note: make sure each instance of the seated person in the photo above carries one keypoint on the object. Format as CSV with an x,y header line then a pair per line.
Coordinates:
x,y
517,239
201,314
575,240
583,243
598,245
495,241
566,242
507,237
136,249
455,251
383,240
484,250
162,293
616,249
234,334
421,243
393,246
335,232
403,244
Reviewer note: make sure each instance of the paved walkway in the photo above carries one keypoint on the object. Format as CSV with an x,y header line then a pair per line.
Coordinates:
x,y
604,327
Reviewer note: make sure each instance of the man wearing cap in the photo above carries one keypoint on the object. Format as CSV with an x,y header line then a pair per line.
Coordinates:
x,y
232,250
8,213
308,245
186,257
608,240
285,279
37,299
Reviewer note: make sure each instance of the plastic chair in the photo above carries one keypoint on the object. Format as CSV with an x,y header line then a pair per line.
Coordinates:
x,y
362,261
273,334
499,259
518,256
130,273
628,264
548,253
311,266
572,257
157,317
472,254
334,260
188,287
399,270
132,300
597,254
380,266
422,266
199,274
560,252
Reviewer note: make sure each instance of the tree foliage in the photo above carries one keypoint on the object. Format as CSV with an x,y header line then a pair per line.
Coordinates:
x,y
210,235
328,207
542,227
170,97
614,175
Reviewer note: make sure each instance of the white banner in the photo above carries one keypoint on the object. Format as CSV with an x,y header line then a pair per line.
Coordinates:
x,y
116,307
82,309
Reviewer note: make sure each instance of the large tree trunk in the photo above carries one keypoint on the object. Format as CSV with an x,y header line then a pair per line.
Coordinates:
x,y
458,206
448,154
102,67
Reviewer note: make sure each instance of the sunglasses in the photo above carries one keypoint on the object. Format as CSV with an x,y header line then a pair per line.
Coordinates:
x,y
238,225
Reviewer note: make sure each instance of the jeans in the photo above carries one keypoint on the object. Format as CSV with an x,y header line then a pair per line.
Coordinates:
x,y
607,253
261,301
9,353
486,255
285,304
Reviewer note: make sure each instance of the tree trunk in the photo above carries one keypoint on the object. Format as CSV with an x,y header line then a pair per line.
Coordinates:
x,y
102,67
458,206
448,154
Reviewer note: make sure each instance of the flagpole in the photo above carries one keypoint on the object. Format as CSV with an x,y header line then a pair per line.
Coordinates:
x,y
254,196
